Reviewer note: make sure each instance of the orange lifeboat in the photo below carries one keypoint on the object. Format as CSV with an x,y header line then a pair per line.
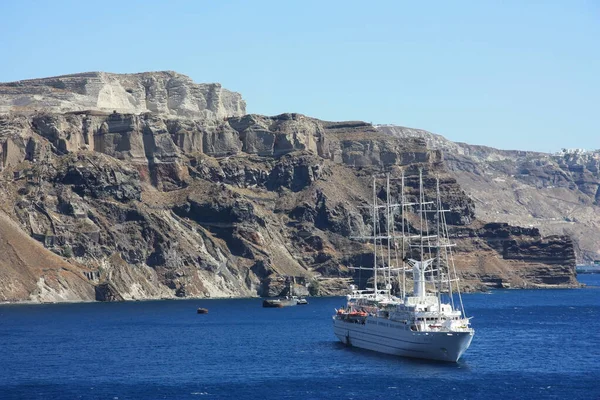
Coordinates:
x,y
358,314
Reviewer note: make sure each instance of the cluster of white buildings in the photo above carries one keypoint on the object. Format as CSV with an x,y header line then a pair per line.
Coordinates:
x,y
571,151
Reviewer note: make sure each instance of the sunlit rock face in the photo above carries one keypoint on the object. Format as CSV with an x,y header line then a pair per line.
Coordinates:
x,y
557,193
139,186
165,93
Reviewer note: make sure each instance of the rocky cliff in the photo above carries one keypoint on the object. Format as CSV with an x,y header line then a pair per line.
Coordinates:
x,y
157,203
559,194
166,92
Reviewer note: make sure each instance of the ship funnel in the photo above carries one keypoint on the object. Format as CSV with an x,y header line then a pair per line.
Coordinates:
x,y
419,276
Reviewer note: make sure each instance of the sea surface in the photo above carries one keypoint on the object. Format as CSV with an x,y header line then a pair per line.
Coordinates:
x,y
529,344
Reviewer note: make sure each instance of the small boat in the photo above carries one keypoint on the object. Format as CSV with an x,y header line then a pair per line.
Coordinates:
x,y
301,301
285,301
280,302
202,310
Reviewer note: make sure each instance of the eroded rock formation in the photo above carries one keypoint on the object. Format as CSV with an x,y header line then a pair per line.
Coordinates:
x,y
160,204
557,193
167,93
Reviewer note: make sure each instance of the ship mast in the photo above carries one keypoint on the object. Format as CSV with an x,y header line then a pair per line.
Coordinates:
x,y
421,265
403,205
388,279
421,205
374,236
438,246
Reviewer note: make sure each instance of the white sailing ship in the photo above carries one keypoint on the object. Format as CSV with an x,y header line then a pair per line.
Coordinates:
x,y
428,323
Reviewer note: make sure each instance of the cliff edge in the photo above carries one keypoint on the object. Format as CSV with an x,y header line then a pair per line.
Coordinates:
x,y
164,93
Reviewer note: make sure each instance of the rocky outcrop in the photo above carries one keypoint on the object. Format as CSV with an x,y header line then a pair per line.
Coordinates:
x,y
137,205
28,272
485,251
556,193
165,93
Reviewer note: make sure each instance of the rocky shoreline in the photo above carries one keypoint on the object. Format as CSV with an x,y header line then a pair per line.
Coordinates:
x,y
161,202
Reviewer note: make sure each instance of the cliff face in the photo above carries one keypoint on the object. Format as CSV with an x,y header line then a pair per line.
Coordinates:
x,y
156,205
557,193
164,92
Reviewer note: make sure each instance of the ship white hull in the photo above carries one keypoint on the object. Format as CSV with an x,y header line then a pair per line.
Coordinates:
x,y
396,338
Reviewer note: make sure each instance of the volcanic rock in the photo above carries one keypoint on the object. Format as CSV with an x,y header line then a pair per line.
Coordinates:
x,y
123,187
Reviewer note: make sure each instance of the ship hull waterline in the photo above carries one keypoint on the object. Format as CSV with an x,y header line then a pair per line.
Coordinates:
x,y
385,336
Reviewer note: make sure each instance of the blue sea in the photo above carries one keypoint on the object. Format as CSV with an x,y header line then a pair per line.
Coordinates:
x,y
532,344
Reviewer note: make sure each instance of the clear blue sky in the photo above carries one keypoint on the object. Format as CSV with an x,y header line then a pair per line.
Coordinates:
x,y
511,74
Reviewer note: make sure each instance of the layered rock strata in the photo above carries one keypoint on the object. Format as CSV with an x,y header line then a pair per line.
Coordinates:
x,y
166,92
557,193
144,205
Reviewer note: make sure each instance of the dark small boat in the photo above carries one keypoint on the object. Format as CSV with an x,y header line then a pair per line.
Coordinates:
x,y
203,310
